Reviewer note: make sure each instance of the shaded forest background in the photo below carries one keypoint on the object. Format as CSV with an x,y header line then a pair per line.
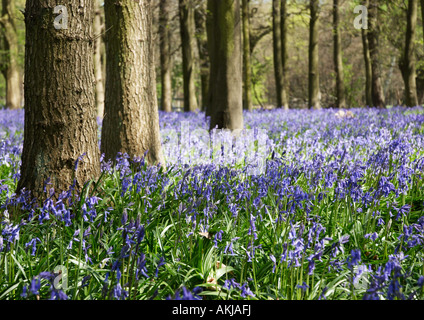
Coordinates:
x,y
392,25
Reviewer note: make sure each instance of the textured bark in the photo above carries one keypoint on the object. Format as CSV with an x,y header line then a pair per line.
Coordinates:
x,y
284,54
165,56
98,62
368,68
377,89
314,99
131,122
409,55
188,42
224,40
60,115
10,67
202,44
247,72
278,55
338,63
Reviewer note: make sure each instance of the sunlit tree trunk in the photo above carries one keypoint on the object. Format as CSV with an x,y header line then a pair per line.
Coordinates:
x,y
224,40
188,42
338,63
165,56
98,65
60,109
314,98
131,122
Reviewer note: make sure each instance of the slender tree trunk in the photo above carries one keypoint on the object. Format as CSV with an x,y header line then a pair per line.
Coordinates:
x,y
247,71
314,99
202,44
338,63
10,68
373,44
278,63
165,56
367,61
284,53
60,110
98,68
131,122
409,55
187,28
224,39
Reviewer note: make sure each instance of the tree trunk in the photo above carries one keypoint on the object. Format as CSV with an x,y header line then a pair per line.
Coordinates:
x,y
165,56
98,67
409,55
367,61
10,68
60,110
314,99
278,55
338,63
187,28
131,122
284,54
202,44
247,71
224,40
377,89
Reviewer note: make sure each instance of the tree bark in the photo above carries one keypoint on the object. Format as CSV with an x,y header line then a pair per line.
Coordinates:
x,y
224,41
60,110
278,55
165,56
409,55
187,28
247,71
131,122
338,63
373,43
284,52
314,99
368,65
98,63
202,44
10,67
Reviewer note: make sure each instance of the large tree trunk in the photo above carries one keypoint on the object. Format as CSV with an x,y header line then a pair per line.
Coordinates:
x,y
278,55
165,56
188,42
224,39
247,72
60,110
338,63
98,65
284,52
202,44
409,55
10,67
314,94
131,122
373,43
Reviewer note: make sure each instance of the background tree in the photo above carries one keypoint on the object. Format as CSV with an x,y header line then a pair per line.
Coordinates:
x,y
60,111
9,66
409,72
188,43
131,122
367,62
165,56
373,44
247,72
224,40
314,94
338,62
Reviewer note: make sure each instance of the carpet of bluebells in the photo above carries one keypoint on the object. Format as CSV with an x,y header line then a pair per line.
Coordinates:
x,y
303,204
